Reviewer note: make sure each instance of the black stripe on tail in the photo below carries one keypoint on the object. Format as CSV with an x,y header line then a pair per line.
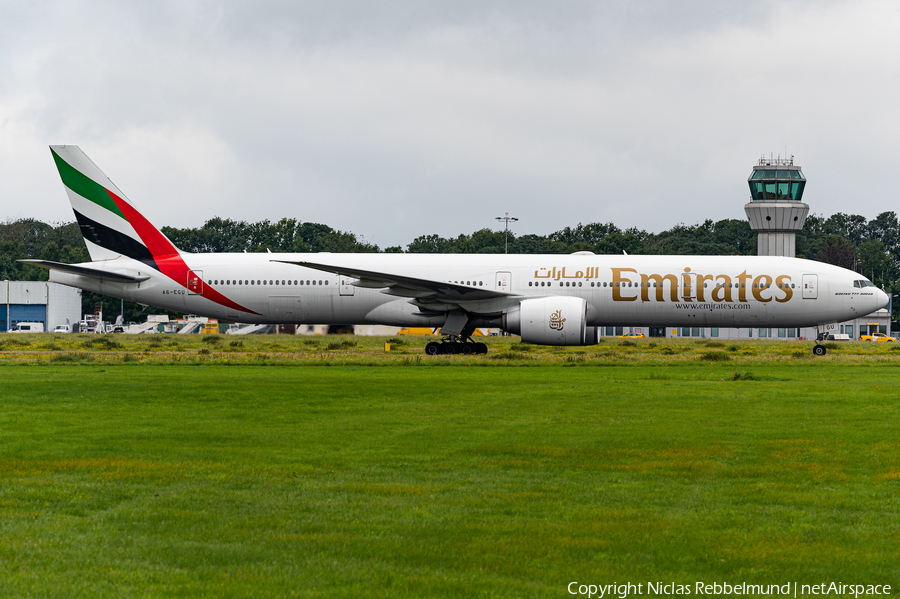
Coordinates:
x,y
113,240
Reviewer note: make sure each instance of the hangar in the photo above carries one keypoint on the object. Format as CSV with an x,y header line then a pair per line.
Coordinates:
x,y
38,301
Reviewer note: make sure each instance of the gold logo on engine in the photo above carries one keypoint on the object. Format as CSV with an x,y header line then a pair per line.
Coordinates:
x,y
557,321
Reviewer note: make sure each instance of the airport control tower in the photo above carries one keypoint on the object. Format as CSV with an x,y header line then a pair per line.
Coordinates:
x,y
775,210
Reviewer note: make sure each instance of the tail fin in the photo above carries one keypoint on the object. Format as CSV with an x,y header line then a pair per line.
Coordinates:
x,y
110,225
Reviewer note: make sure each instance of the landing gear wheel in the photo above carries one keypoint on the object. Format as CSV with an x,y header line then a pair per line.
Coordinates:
x,y
819,350
480,348
433,349
450,348
468,348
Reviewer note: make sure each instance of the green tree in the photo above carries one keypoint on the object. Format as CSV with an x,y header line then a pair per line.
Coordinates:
x,y
838,251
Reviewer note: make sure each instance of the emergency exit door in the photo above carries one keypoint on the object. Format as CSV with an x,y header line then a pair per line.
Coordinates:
x,y
195,282
810,286
504,281
345,285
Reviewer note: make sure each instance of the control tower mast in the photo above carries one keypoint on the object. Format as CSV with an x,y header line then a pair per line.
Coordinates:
x,y
775,210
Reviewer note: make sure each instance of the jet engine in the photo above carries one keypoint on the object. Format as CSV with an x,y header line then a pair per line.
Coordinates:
x,y
550,321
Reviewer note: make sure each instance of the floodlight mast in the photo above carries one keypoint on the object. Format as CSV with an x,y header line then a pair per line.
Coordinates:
x,y
506,220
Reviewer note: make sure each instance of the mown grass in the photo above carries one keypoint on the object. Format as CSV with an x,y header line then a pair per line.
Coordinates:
x,y
338,350
444,480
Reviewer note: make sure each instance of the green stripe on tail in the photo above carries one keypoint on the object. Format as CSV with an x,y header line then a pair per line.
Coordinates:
x,y
84,186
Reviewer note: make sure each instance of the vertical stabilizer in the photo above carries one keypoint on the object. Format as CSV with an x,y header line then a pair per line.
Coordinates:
x,y
110,225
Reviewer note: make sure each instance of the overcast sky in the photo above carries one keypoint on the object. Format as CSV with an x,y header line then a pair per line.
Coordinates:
x,y
397,119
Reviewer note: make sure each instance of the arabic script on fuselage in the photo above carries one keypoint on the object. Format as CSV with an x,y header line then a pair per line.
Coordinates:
x,y
629,285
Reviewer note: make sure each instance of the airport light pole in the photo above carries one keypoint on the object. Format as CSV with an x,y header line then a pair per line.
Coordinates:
x,y
506,220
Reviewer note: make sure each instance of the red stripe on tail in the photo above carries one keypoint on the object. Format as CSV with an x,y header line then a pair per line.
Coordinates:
x,y
166,255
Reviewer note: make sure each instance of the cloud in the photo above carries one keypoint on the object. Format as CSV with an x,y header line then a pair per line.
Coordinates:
x,y
397,119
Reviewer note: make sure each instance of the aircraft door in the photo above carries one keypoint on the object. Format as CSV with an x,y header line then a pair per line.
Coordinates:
x,y
504,281
345,286
689,286
195,282
810,286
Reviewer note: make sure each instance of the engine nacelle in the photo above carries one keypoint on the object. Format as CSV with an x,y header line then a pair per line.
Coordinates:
x,y
550,321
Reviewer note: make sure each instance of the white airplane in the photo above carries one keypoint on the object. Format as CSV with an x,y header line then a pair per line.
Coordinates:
x,y
546,299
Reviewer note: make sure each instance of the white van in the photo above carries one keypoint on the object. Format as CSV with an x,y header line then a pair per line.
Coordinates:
x,y
63,328
29,327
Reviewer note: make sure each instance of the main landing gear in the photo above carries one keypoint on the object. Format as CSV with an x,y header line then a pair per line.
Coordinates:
x,y
452,345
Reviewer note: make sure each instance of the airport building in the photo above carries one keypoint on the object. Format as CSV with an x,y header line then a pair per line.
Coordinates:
x,y
38,301
776,212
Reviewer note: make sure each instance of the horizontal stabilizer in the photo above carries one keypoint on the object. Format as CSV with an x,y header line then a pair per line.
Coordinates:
x,y
85,271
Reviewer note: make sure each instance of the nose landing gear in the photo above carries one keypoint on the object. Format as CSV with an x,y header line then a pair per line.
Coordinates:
x,y
819,348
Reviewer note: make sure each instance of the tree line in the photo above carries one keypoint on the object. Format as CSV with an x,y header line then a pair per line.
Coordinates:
x,y
870,247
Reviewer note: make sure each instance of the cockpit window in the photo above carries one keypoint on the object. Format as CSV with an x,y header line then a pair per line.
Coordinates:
x,y
862,283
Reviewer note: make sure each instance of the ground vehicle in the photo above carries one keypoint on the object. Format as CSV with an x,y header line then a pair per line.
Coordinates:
x,y
63,328
878,337
632,336
29,327
835,337
209,328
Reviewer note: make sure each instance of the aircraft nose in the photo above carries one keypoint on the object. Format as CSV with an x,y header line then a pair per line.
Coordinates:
x,y
882,299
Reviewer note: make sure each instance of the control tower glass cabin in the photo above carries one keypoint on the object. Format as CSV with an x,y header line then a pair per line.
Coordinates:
x,y
776,211
781,183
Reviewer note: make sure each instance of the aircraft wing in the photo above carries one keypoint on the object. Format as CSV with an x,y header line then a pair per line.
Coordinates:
x,y
85,271
401,285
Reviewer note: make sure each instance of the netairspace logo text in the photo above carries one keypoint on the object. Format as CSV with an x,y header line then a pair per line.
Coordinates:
x,y
790,589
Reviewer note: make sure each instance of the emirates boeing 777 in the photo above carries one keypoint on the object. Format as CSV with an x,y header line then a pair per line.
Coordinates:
x,y
546,299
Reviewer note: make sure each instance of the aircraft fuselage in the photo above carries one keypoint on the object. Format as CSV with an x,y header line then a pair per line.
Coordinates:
x,y
718,291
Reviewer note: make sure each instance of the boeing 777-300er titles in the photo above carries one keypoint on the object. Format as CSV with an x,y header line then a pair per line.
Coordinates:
x,y
546,299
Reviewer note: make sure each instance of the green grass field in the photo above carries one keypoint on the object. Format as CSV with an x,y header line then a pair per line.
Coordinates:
x,y
258,471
